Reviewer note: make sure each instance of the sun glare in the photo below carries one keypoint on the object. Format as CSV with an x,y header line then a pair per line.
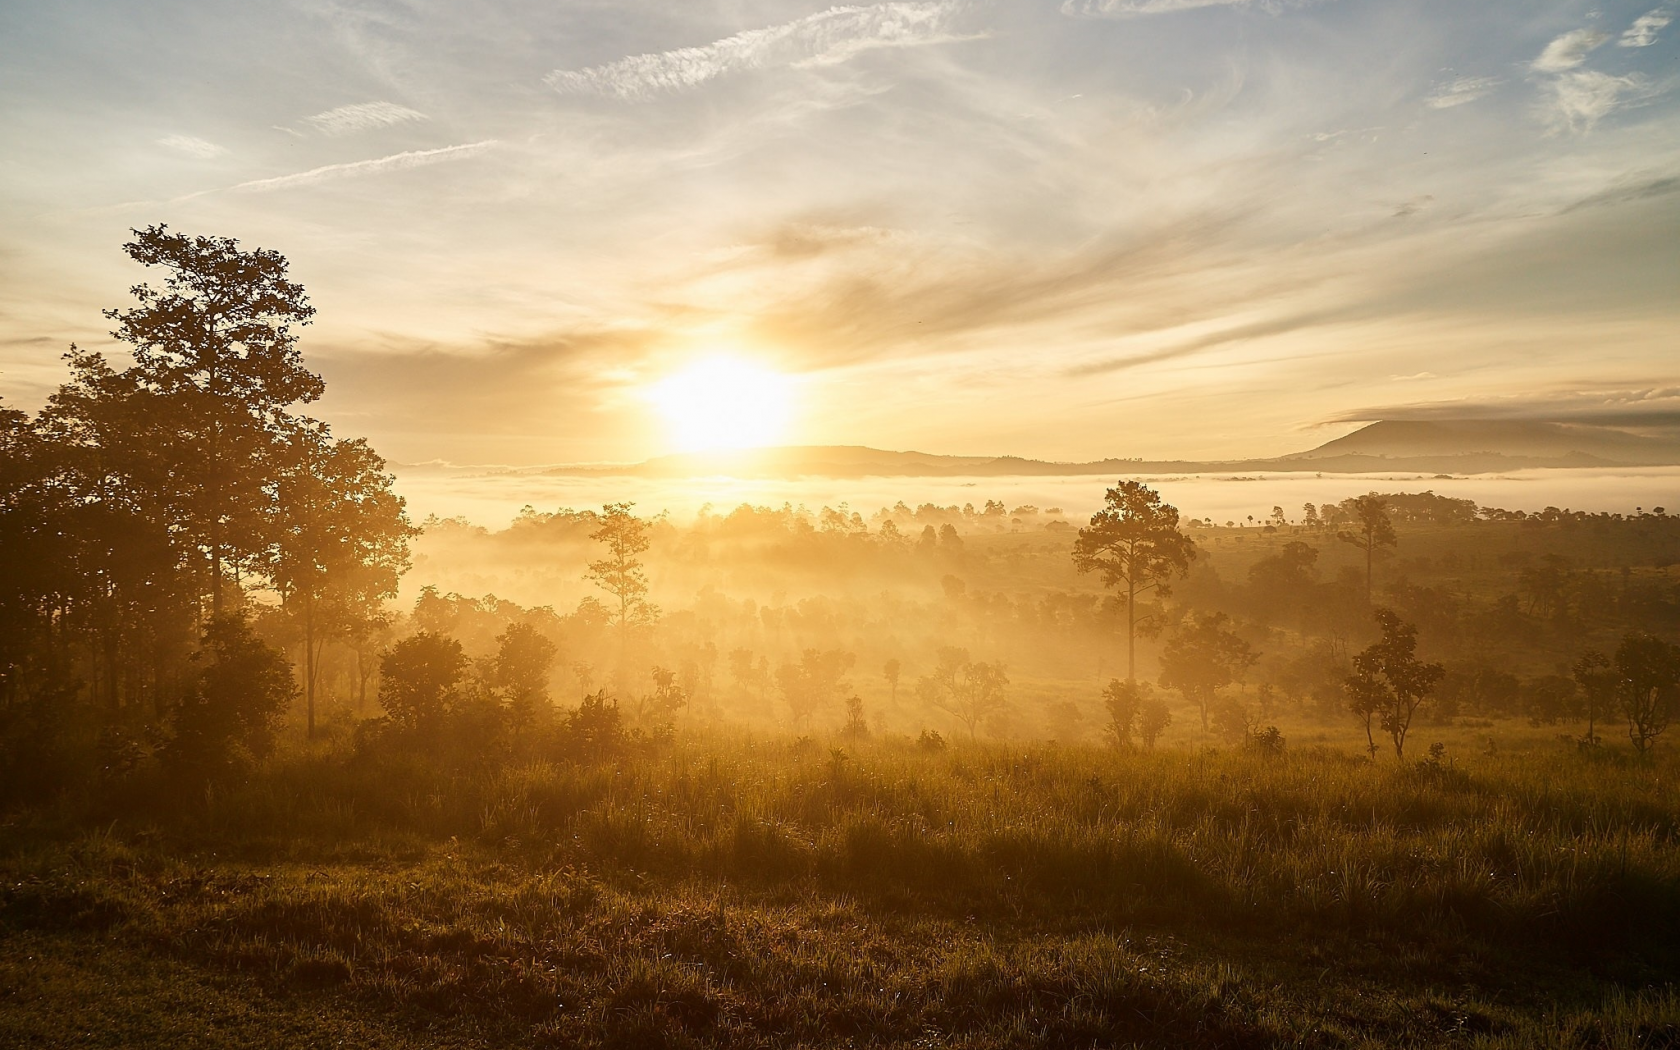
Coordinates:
x,y
724,403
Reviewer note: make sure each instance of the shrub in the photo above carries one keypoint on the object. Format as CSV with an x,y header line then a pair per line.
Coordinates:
x,y
240,689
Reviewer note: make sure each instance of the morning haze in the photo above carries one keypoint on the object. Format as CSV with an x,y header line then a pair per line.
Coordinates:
x,y
926,523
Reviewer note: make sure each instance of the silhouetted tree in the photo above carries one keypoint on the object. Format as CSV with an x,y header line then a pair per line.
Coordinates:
x,y
620,573
660,707
1135,542
814,682
419,679
216,366
1648,673
1375,530
891,670
1596,679
855,728
1133,708
520,672
239,691
1203,657
1389,682
969,691
340,542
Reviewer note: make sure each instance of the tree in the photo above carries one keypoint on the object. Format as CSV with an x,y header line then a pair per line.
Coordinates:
x,y
1134,541
216,359
968,691
239,691
660,707
419,680
339,543
1596,679
891,670
620,573
520,671
1203,657
1648,673
814,682
1389,682
856,727
1285,578
1375,530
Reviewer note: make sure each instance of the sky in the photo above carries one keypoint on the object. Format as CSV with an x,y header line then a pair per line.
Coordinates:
x,y
1063,230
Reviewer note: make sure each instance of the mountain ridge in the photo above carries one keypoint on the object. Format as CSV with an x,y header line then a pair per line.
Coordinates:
x,y
1463,446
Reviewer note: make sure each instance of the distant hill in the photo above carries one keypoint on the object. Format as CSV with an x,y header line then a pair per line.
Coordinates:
x,y
1523,439
1431,447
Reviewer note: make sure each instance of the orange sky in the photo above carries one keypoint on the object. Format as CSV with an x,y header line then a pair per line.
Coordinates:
x,y
1095,228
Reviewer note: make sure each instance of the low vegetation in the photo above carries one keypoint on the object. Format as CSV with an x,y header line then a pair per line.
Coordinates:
x,y
739,892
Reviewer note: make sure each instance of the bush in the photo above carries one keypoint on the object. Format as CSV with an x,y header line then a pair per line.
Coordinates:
x,y
238,694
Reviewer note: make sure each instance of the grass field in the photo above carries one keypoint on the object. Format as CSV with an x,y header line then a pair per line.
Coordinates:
x,y
738,892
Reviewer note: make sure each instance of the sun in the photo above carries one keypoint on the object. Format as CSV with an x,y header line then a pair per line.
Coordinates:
x,y
724,403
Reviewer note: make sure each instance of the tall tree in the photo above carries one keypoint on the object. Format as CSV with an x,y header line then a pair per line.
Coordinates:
x,y
1135,542
1389,682
1596,679
1375,531
339,541
620,573
216,350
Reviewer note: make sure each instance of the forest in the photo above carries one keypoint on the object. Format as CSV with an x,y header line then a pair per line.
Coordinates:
x,y
1389,771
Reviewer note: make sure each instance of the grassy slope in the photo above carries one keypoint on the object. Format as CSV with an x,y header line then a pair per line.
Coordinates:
x,y
740,893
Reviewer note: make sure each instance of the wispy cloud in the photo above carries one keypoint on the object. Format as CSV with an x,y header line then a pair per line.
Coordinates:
x,y
1568,50
395,162
824,38
1643,32
1651,406
1460,91
192,147
1134,8
363,116
1578,101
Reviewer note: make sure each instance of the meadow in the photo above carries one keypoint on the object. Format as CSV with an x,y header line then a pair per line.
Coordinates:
x,y
719,889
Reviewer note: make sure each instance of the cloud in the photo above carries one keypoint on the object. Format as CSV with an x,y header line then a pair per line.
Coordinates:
x,y
1628,193
1460,91
1134,8
395,162
1652,406
1643,32
363,116
193,147
1579,100
1568,50
824,38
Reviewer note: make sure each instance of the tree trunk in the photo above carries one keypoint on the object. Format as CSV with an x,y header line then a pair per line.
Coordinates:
x,y
1131,630
309,664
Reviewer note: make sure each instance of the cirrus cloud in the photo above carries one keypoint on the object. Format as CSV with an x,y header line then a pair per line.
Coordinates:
x,y
1568,50
1134,8
824,38
192,146
1643,32
362,116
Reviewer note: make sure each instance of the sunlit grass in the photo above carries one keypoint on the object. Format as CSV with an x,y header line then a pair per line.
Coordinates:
x,y
773,892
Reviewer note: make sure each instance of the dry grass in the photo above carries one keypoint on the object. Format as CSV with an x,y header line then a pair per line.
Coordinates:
x,y
742,893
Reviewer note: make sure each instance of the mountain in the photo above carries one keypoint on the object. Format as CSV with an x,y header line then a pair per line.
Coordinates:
x,y
1398,439
1464,446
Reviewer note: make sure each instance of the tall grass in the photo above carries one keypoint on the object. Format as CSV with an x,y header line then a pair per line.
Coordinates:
x,y
740,891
